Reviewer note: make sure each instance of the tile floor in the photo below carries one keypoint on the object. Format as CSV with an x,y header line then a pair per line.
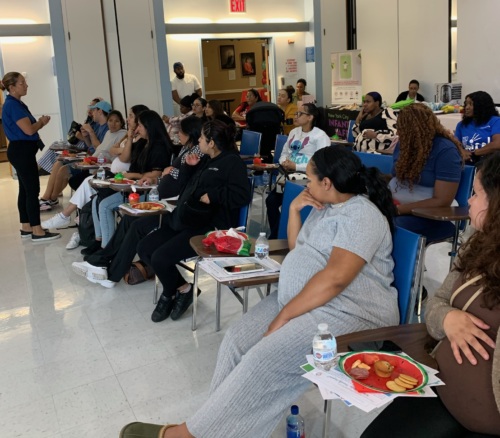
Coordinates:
x,y
80,361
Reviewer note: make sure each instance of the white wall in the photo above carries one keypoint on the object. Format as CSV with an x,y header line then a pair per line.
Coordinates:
x,y
477,47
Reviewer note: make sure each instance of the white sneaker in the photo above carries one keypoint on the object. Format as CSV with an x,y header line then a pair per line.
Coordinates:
x,y
74,242
105,283
57,221
85,269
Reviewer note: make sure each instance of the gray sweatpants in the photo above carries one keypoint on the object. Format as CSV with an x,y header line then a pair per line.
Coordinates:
x,y
257,379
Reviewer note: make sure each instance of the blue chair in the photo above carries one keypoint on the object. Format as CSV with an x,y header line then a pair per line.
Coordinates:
x,y
350,136
278,148
250,143
290,192
381,162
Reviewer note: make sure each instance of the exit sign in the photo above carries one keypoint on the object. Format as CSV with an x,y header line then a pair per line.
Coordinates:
x,y
237,5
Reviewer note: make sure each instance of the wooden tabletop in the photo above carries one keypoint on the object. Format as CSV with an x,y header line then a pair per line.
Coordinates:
x,y
412,338
442,213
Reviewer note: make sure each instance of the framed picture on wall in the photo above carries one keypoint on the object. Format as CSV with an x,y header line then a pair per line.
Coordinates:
x,y
227,58
248,64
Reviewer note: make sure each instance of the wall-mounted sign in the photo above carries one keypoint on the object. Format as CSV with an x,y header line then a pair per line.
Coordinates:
x,y
310,54
291,65
346,77
237,5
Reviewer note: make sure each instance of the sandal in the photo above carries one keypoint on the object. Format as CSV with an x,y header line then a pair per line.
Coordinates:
x,y
144,430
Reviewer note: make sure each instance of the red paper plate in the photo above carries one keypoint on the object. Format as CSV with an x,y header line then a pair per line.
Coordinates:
x,y
244,235
401,364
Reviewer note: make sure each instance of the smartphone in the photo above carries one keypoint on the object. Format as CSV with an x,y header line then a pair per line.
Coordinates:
x,y
384,345
243,268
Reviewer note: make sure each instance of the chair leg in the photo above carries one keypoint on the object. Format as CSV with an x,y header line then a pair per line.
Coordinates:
x,y
155,290
454,244
328,414
217,307
195,294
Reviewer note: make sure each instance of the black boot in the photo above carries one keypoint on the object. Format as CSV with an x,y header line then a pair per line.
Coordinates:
x,y
163,308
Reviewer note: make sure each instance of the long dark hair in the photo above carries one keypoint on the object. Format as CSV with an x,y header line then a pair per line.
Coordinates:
x,y
191,126
137,109
221,134
484,108
348,175
217,108
313,111
481,253
157,134
119,115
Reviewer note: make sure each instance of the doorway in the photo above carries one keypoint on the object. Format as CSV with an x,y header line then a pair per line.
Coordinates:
x,y
232,66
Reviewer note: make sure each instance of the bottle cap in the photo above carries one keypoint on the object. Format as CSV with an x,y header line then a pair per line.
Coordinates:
x,y
295,410
262,234
323,327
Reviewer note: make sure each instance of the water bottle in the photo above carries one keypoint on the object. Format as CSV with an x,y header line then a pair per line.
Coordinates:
x,y
101,173
154,195
295,424
262,246
100,159
265,178
324,348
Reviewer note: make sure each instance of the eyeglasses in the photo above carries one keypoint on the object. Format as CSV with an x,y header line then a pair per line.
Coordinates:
x,y
300,113
196,104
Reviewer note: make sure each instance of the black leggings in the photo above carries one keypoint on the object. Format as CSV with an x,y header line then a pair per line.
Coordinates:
x,y
22,155
163,249
417,418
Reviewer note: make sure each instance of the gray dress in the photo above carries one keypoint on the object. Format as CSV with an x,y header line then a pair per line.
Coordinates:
x,y
256,379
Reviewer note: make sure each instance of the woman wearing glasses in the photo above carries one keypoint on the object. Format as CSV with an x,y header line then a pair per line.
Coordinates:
x,y
303,141
199,106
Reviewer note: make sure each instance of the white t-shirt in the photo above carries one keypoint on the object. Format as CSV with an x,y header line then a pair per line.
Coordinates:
x,y
186,86
300,146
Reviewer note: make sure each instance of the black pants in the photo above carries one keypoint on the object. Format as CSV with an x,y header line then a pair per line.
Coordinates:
x,y
120,251
273,204
22,155
163,249
417,418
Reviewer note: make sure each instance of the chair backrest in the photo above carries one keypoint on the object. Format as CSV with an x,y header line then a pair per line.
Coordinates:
x,y
250,142
278,147
245,210
408,254
290,192
262,92
381,162
350,136
464,190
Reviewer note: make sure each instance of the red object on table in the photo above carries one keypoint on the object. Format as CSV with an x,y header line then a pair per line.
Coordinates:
x,y
257,160
133,198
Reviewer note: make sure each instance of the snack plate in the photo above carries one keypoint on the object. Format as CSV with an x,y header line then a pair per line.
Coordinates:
x,y
124,182
402,365
244,235
154,206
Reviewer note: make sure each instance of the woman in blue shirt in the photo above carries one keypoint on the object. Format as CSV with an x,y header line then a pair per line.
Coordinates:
x,y
21,129
426,171
479,130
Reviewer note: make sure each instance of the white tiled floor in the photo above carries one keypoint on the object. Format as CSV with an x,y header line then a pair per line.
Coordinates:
x,y
80,361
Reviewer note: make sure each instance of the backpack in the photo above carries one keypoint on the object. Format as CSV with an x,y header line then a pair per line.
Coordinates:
x,y
86,225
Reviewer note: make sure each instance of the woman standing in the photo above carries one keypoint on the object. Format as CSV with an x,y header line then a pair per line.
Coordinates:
x,y
479,130
300,90
339,271
285,102
21,129
375,127
302,143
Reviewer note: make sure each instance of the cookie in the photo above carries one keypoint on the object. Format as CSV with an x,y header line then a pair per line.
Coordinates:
x,y
402,383
393,386
411,380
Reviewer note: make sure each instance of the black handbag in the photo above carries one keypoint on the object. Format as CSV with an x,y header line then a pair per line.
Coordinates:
x,y
73,129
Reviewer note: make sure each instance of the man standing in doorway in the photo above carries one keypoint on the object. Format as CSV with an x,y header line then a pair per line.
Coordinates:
x,y
184,84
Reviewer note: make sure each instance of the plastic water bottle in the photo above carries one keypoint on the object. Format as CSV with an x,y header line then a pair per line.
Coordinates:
x,y
101,173
265,178
100,159
154,195
262,246
295,424
324,348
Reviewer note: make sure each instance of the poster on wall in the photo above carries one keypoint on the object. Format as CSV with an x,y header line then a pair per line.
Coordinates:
x,y
346,77
248,64
227,60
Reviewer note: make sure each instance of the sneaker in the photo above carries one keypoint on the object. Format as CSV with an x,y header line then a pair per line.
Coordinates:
x,y
25,234
105,283
57,221
163,308
85,269
74,242
182,303
45,205
45,238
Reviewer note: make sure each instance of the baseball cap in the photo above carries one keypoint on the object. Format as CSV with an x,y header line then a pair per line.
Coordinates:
x,y
103,105
177,65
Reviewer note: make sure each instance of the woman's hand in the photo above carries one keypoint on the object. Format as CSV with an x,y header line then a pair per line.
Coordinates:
x,y
205,199
146,181
192,159
369,133
467,156
277,323
289,166
464,330
166,119
44,120
304,199
167,170
359,117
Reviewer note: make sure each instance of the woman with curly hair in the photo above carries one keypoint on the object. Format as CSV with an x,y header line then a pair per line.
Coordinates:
x,y
426,171
479,130
465,315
